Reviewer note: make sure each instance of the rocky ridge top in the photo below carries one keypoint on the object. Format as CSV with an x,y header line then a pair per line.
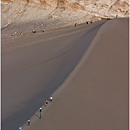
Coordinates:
x,y
60,12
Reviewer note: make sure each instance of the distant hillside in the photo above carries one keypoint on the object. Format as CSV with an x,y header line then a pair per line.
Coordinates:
x,y
60,12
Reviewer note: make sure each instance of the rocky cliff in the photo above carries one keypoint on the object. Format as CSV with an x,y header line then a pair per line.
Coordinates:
x,y
60,12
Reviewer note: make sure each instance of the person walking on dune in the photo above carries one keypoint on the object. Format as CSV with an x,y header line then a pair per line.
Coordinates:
x,y
20,128
51,98
46,103
40,109
28,122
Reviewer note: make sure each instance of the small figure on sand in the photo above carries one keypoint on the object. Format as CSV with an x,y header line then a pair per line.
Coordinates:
x,y
91,22
51,98
21,33
20,128
87,22
46,103
28,122
40,109
34,31
43,30
75,24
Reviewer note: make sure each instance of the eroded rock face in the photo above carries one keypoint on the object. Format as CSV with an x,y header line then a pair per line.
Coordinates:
x,y
119,6
62,11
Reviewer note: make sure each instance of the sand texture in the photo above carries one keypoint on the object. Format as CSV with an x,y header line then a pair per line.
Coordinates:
x,y
96,95
35,65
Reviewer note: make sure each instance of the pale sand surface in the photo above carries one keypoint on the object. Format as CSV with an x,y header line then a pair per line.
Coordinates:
x,y
96,97
35,65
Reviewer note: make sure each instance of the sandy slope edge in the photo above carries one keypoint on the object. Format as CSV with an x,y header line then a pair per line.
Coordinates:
x,y
59,94
56,94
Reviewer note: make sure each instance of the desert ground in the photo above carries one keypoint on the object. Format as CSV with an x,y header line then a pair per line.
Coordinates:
x,y
95,95
35,65
84,68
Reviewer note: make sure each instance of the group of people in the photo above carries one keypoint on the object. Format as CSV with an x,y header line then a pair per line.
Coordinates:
x,y
40,110
86,22
90,22
34,31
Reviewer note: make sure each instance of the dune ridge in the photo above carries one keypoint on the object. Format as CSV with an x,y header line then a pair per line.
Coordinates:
x,y
70,110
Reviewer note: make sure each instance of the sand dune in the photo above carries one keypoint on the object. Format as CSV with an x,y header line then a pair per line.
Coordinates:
x,y
95,95
35,65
